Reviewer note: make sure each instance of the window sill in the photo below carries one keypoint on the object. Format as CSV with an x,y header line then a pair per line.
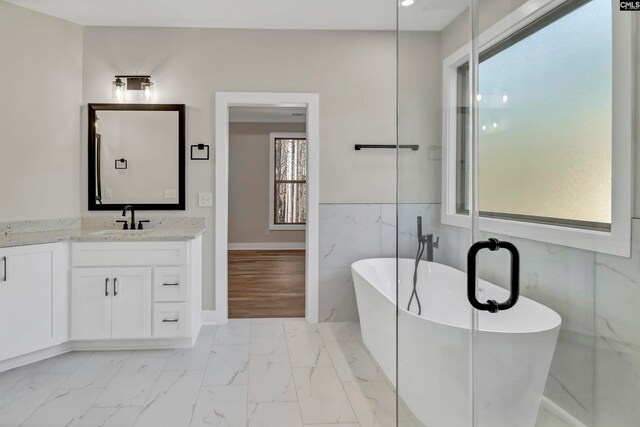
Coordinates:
x,y
287,227
617,242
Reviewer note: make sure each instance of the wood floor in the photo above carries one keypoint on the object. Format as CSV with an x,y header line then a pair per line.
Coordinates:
x,y
266,283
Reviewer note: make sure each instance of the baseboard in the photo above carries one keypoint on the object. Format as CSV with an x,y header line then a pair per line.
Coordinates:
x,y
96,345
133,344
266,246
212,317
559,412
35,356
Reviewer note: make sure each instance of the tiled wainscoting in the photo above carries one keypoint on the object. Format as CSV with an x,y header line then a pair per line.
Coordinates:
x,y
351,232
595,371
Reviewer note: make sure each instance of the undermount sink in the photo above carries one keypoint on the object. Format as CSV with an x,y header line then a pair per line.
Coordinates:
x,y
119,232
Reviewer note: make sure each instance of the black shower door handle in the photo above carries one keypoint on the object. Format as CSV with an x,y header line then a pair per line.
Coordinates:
x,y
493,306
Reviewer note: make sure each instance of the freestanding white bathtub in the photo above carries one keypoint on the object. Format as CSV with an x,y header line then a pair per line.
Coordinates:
x,y
513,348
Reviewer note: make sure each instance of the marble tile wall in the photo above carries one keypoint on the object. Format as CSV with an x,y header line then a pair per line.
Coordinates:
x,y
595,374
348,233
351,232
617,325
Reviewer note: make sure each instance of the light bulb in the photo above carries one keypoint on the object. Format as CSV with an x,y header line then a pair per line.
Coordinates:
x,y
118,90
479,97
495,125
484,127
147,90
505,99
406,2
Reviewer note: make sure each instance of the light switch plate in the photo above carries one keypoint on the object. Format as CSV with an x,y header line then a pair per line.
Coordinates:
x,y
205,200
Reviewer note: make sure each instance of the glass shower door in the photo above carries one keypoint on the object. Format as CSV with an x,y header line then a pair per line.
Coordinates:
x,y
516,294
545,193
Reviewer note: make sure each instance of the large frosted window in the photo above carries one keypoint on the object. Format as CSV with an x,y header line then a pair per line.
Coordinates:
x,y
545,100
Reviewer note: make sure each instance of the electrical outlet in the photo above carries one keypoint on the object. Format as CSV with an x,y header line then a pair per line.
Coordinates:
x,y
205,200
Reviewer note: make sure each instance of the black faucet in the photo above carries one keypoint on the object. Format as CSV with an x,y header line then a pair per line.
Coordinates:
x,y
133,216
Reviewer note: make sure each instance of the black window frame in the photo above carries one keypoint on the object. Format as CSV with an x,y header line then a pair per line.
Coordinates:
x,y
284,181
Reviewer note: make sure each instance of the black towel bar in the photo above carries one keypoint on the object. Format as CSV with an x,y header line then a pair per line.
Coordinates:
x,y
361,146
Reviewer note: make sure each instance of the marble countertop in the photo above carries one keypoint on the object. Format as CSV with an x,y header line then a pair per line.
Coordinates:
x,y
101,235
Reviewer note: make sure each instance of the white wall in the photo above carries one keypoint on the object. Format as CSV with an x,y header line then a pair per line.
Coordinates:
x,y
249,182
420,116
353,71
40,98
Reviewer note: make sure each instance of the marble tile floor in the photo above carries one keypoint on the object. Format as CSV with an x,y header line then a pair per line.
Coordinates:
x,y
258,372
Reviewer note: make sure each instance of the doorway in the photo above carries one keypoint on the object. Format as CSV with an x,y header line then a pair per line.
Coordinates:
x,y
267,211
284,258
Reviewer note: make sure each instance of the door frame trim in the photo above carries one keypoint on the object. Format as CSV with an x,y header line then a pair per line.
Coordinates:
x,y
224,100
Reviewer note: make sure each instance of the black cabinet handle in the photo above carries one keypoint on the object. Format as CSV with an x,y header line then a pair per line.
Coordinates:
x,y
171,284
493,306
4,270
115,283
169,320
106,287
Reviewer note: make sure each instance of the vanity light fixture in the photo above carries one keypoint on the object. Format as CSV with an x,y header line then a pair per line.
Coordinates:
x,y
139,83
147,90
118,90
406,2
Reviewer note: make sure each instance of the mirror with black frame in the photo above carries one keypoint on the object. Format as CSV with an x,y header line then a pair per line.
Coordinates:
x,y
136,156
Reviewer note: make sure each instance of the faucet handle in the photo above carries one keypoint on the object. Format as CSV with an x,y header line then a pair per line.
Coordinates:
x,y
125,224
140,223
436,242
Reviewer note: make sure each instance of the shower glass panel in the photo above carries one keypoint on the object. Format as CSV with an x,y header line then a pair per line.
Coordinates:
x,y
517,280
434,317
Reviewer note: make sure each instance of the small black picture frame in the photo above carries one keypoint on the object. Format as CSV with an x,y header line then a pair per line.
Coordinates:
x,y
121,163
197,155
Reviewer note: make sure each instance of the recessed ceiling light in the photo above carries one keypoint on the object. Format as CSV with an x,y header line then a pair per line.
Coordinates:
x,y
406,2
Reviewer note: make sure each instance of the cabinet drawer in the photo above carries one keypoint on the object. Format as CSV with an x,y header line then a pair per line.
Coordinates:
x,y
170,284
99,254
170,320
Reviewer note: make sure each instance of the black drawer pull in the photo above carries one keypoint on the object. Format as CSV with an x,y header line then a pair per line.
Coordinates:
x,y
169,320
171,284
4,274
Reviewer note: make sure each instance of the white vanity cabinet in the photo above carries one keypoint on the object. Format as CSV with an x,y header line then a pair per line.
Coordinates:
x,y
135,290
111,303
33,298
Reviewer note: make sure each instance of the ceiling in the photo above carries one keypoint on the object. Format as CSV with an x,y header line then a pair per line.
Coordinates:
x,y
268,114
427,15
